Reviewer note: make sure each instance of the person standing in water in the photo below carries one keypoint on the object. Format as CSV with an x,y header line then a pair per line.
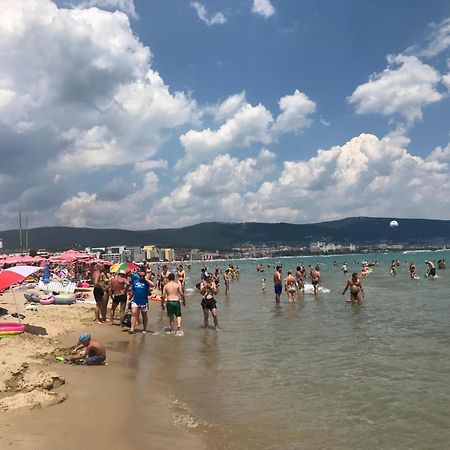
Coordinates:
x,y
300,279
278,286
208,289
393,269
290,287
172,296
356,289
412,270
315,279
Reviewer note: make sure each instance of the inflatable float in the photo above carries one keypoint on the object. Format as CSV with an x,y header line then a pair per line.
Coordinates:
x,y
64,300
11,328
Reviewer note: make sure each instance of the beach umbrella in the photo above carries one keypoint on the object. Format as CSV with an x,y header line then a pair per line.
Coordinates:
x,y
126,267
15,274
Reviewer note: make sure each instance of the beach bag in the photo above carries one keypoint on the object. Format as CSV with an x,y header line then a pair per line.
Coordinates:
x,y
127,319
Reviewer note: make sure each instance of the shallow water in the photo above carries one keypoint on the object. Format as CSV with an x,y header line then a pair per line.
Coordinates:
x,y
317,374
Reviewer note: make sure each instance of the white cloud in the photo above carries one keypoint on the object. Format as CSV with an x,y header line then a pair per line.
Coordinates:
x,y
213,191
144,166
366,176
90,101
296,111
84,209
439,39
263,8
126,6
244,125
403,89
209,19
248,125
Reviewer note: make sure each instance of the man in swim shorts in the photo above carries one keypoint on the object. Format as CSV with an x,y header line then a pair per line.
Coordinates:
x,y
208,289
356,289
278,286
94,353
99,281
300,279
172,297
431,269
315,279
119,288
140,288
290,287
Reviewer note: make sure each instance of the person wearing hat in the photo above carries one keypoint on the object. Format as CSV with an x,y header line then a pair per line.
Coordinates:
x,y
94,353
119,288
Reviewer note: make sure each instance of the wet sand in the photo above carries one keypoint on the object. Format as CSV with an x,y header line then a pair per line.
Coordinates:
x,y
91,406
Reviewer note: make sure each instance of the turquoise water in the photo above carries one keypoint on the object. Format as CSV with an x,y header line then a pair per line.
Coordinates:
x,y
318,374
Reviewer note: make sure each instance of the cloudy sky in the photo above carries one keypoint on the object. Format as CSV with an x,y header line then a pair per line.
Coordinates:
x,y
148,113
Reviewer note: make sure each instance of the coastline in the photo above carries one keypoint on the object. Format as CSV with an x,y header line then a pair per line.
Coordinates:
x,y
87,406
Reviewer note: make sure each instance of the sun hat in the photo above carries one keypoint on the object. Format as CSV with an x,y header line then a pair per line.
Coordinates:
x,y
84,337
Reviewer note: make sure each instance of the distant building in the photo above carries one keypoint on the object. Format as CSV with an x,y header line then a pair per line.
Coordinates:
x,y
136,254
167,254
196,255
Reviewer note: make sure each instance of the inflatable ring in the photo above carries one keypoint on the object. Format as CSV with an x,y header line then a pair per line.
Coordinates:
x,y
11,328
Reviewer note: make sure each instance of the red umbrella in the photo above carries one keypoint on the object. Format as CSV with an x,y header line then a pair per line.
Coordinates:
x,y
15,274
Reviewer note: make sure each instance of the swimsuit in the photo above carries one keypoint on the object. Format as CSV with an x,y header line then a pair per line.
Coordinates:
x,y
98,294
278,288
209,303
95,360
173,308
122,298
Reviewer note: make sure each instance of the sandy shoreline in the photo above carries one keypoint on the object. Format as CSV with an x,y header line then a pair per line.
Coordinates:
x,y
45,404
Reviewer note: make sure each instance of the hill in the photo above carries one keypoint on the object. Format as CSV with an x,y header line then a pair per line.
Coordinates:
x,y
223,236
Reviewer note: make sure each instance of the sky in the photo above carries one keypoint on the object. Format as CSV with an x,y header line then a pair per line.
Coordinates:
x,y
152,114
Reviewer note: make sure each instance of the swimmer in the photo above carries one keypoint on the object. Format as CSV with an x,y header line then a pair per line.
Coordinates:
x,y
290,287
277,283
263,285
208,289
431,269
356,289
300,278
315,279
393,269
412,270
172,297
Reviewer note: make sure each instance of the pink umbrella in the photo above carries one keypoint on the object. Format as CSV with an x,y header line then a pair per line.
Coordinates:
x,y
26,259
15,274
12,259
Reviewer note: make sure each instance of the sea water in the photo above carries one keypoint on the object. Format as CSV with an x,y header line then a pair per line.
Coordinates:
x,y
317,374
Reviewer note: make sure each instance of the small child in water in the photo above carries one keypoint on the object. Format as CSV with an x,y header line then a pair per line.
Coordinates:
x,y
263,285
94,352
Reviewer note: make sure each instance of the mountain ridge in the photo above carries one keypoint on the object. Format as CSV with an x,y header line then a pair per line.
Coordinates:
x,y
226,235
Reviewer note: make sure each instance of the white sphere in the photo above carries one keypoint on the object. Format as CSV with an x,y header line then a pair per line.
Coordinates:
x,y
393,224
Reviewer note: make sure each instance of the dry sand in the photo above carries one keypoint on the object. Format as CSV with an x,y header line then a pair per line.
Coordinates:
x,y
90,406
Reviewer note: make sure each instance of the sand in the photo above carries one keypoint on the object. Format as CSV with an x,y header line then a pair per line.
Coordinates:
x,y
46,404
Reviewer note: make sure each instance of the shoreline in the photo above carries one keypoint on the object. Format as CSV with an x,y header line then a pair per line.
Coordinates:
x,y
86,405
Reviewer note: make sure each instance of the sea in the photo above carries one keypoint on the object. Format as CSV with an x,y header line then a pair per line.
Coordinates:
x,y
317,374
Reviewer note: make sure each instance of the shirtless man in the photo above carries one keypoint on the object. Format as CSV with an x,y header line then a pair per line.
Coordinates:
x,y
99,280
171,297
393,269
431,269
300,279
119,288
315,279
208,289
356,289
289,287
278,287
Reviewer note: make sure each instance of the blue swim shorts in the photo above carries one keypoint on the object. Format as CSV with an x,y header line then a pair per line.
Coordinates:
x,y
278,288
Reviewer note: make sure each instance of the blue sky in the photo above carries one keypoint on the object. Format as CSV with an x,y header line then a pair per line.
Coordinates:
x,y
177,112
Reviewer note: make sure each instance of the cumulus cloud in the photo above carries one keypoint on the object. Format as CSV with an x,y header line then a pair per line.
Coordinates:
x,y
127,6
205,17
366,176
244,125
296,111
78,94
214,191
263,8
403,89
93,209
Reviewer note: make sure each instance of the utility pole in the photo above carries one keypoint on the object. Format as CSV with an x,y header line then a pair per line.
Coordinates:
x,y
20,223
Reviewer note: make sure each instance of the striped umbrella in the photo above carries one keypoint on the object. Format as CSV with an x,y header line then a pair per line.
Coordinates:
x,y
126,267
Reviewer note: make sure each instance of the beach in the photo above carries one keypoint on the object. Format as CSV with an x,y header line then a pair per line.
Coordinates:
x,y
319,373
46,404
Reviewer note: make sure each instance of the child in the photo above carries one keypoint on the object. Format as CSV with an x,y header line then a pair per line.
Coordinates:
x,y
263,285
94,352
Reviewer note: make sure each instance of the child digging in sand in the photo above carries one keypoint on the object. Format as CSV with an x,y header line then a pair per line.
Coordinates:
x,y
94,352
